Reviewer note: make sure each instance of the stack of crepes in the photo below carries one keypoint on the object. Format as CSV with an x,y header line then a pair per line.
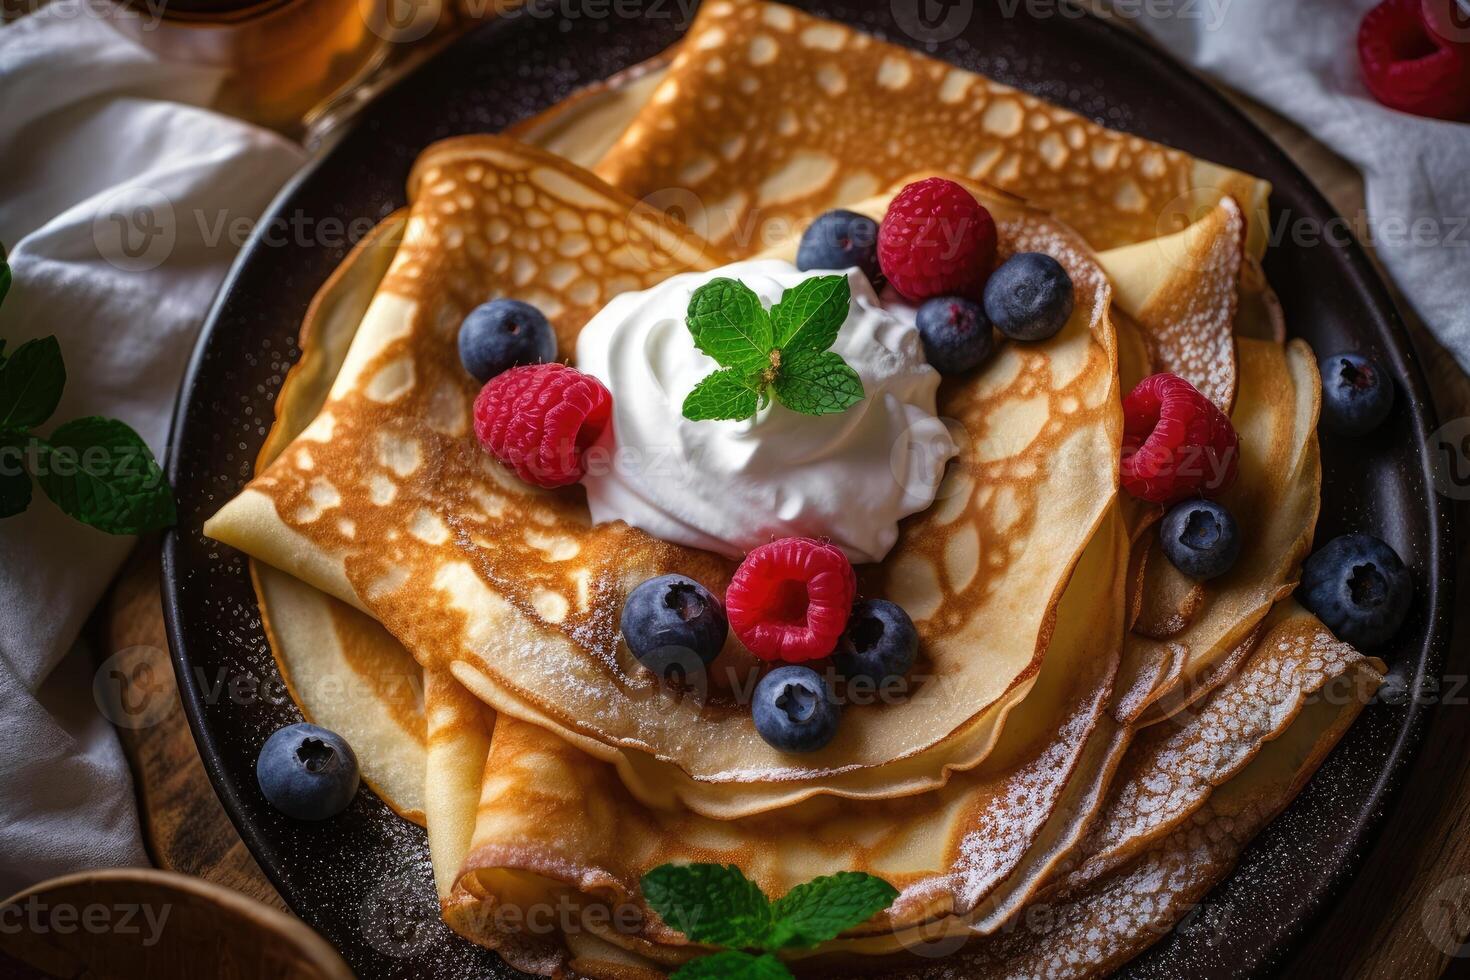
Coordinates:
x,y
1089,730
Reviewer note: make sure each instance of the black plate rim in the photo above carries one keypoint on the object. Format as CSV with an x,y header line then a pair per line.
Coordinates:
x,y
1438,550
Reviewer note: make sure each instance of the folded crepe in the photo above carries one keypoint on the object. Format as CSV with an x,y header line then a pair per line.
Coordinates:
x,y
543,812
995,835
768,116
385,501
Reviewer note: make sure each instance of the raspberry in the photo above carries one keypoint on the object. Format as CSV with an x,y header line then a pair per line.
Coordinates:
x,y
1176,443
790,599
936,240
538,420
1411,67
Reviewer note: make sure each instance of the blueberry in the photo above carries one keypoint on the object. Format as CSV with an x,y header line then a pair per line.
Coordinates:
x,y
501,334
307,772
1200,538
879,644
956,334
840,240
794,709
1359,587
1357,394
674,626
1029,297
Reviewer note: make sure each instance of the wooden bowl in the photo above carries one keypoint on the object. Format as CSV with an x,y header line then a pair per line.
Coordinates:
x,y
130,923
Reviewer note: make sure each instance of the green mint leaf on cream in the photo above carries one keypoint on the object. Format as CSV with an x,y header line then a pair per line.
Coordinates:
x,y
818,384
810,314
783,352
826,907
709,903
100,472
31,383
717,905
723,395
729,325
733,965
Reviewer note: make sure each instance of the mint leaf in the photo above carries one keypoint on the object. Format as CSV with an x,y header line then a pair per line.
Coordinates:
x,y
824,908
728,324
15,482
732,965
709,903
818,383
723,395
31,383
810,314
100,472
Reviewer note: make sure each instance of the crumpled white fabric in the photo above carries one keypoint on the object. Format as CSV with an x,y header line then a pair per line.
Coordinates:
x,y
93,126
1300,58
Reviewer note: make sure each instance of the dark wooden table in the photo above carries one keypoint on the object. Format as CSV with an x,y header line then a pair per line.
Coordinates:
x,y
1404,916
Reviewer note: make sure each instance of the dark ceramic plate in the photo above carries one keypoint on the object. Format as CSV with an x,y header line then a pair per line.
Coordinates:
x,y
364,879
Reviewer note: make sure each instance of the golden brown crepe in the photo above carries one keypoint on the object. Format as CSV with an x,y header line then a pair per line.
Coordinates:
x,y
386,501
768,116
1061,793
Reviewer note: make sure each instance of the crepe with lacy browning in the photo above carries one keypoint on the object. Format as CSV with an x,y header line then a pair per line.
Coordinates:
x,y
552,819
386,501
768,116
1144,802
1204,260
1025,851
969,855
333,658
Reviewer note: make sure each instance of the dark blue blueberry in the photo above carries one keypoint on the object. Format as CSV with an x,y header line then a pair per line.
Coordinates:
x,y
1357,394
501,334
1200,538
956,334
840,240
1029,297
674,626
879,644
1359,587
307,772
794,710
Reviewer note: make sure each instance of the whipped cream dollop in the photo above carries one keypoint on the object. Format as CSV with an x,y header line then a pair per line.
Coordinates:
x,y
728,486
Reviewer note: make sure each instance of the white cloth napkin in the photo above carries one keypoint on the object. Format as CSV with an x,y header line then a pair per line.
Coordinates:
x,y
1300,58
92,126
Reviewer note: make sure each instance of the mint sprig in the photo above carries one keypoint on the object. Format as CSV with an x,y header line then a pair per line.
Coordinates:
x,y
782,352
98,471
717,905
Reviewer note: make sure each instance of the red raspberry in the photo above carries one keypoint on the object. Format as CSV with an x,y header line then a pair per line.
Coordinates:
x,y
790,599
936,240
1176,443
538,420
1410,66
